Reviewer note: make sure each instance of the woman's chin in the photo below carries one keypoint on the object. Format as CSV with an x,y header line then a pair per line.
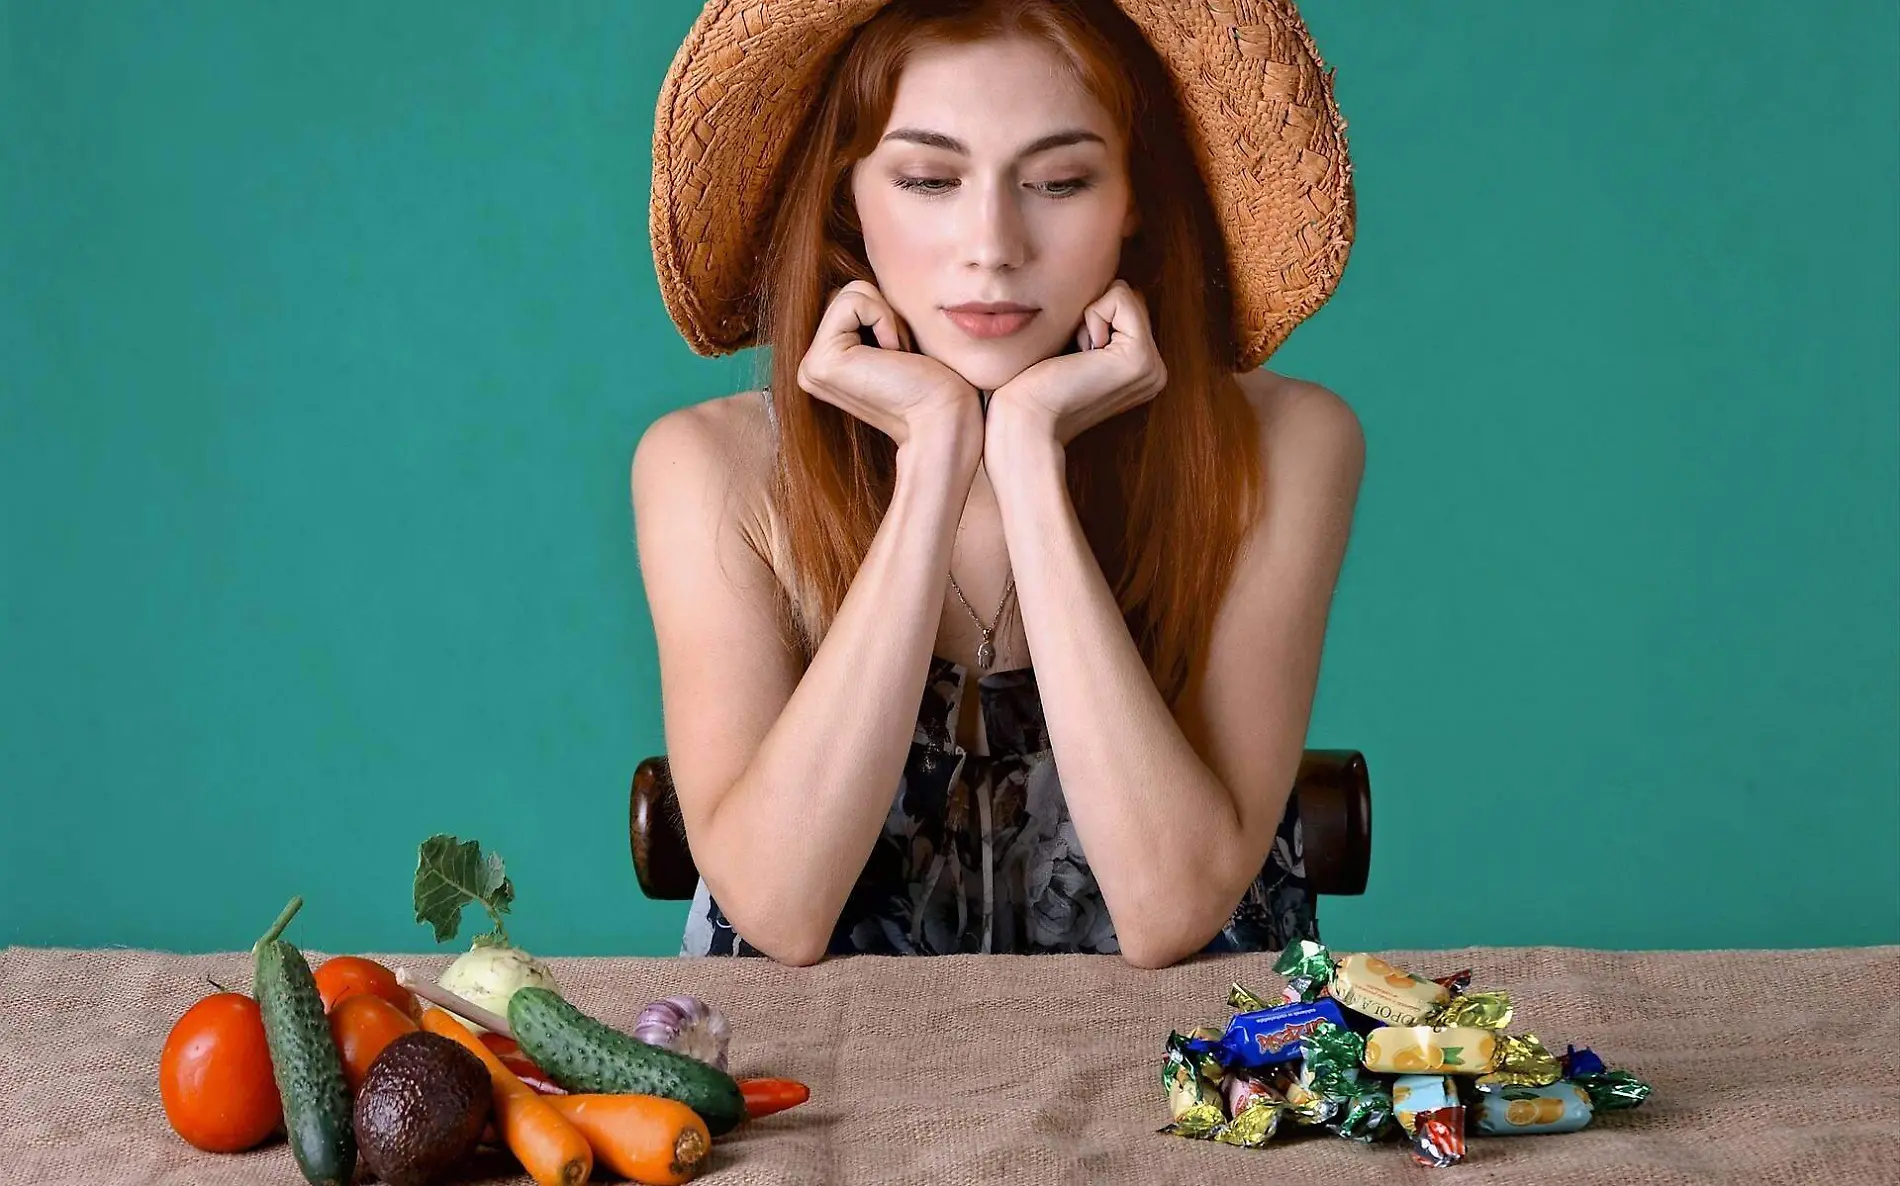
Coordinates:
x,y
986,369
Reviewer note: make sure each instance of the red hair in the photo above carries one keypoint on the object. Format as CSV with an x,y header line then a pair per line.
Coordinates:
x,y
1165,492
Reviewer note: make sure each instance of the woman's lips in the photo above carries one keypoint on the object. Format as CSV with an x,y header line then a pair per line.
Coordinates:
x,y
989,325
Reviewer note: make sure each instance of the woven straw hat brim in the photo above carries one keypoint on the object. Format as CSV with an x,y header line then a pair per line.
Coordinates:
x,y
1259,101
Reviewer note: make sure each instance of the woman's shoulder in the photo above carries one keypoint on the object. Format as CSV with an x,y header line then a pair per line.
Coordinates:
x,y
1283,403
730,435
1312,447
717,452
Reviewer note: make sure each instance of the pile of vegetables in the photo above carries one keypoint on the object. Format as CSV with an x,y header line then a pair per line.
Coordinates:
x,y
359,1062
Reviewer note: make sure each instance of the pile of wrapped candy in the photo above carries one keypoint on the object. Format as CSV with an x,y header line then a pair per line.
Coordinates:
x,y
1367,1051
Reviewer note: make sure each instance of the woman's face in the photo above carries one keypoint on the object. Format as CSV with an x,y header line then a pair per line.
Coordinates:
x,y
999,181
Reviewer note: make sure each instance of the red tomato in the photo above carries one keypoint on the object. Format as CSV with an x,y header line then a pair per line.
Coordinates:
x,y
345,974
214,1076
361,1025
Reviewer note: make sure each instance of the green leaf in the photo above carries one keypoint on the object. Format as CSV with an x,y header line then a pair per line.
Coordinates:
x,y
450,874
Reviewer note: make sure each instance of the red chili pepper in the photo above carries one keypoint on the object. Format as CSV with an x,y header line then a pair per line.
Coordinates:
x,y
766,1096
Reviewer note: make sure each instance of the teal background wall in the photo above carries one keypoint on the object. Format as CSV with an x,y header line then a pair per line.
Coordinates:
x,y
326,334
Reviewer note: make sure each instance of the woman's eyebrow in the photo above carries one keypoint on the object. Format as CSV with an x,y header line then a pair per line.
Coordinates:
x,y
932,139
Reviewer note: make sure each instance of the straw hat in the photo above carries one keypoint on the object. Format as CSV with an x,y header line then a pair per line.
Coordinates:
x,y
1258,99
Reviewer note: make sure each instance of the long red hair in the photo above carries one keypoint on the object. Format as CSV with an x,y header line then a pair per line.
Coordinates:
x,y
1165,492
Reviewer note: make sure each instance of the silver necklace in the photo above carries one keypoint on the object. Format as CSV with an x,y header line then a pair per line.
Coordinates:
x,y
985,653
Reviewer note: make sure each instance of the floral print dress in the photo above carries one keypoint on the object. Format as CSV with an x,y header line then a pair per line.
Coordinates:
x,y
979,853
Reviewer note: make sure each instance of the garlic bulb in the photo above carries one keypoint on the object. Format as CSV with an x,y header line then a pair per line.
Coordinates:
x,y
685,1025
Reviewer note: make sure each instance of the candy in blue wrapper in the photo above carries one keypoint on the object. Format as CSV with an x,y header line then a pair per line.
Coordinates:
x,y
1269,1036
1575,1062
1514,1111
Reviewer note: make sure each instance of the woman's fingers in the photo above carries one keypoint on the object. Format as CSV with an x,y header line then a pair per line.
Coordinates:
x,y
883,323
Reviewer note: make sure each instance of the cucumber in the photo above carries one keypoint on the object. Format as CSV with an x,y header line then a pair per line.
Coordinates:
x,y
304,1060
585,1056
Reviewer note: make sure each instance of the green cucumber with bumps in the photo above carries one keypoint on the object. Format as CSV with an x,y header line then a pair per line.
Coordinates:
x,y
584,1055
304,1059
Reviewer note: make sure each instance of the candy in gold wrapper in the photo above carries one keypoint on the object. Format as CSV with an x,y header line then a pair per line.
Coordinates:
x,y
1239,998
1369,985
1199,1122
1484,1010
1254,1107
1306,1106
1252,1126
1522,1062
1239,1109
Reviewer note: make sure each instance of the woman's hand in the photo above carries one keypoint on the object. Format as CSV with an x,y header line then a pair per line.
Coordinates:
x,y
886,386
1117,369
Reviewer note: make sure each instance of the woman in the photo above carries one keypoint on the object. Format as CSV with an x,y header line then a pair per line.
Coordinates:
x,y
1005,313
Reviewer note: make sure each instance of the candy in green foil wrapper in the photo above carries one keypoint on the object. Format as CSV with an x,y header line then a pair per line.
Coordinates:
x,y
1188,1082
1612,1091
1522,1062
1485,1010
1308,968
1361,1104
1367,1113
1332,1059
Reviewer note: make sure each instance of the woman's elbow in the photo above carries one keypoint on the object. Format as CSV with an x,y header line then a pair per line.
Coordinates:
x,y
802,955
782,940
1152,957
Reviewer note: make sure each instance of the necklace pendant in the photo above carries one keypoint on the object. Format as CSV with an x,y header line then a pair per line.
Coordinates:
x,y
986,655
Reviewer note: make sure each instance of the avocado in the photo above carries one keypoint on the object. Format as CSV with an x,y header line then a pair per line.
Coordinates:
x,y
420,1108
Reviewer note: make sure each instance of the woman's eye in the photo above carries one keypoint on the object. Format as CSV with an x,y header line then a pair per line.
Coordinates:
x,y
924,185
1062,189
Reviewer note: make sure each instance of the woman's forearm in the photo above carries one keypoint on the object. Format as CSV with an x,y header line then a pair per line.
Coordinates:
x,y
786,844
1157,825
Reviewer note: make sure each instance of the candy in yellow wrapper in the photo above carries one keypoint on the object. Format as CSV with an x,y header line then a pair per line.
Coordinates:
x,y
1414,1049
1367,984
1522,1062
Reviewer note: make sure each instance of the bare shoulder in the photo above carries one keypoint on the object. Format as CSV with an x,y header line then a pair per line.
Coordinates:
x,y
1300,413
709,464
728,433
1309,436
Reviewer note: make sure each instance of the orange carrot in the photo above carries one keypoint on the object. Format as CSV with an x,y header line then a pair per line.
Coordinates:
x,y
648,1138
548,1147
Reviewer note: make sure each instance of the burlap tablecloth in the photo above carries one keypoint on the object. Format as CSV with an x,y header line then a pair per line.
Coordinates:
x,y
1768,1067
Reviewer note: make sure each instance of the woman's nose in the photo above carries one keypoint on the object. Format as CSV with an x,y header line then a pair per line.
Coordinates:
x,y
994,235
